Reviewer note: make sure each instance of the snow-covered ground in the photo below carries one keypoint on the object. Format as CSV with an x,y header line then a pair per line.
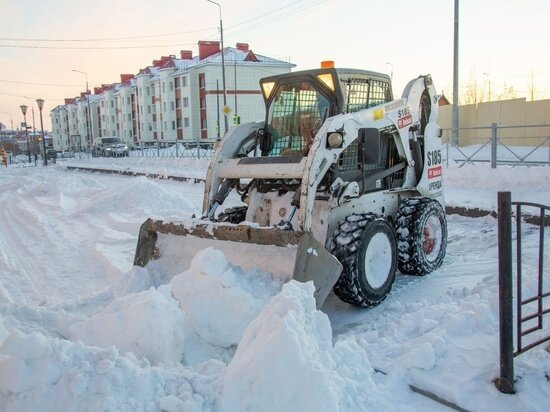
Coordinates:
x,y
81,329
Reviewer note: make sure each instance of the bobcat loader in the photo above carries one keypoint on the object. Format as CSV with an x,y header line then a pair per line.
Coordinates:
x,y
341,185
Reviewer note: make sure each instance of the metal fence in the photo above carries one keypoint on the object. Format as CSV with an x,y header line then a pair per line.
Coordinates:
x,y
166,149
174,149
527,145
529,311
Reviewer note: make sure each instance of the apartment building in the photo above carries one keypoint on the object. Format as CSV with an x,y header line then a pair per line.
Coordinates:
x,y
176,98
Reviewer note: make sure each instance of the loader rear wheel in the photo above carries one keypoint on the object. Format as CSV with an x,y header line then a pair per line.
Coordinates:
x,y
233,215
421,236
365,245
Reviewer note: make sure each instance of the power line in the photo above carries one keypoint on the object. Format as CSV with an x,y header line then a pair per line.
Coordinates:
x,y
263,15
95,47
277,18
105,38
40,84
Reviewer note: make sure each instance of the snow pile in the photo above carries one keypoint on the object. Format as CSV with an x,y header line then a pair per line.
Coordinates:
x,y
213,337
49,374
219,299
151,322
286,361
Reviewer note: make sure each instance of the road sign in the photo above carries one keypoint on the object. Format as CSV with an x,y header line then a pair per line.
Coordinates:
x,y
227,109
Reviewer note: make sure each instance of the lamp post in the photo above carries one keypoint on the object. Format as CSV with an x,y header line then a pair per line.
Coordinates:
x,y
455,112
40,103
89,129
489,81
223,66
24,111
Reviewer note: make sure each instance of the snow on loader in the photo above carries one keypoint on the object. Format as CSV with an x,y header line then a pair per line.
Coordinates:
x,y
341,185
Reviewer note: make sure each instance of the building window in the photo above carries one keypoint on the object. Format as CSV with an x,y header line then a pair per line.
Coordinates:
x,y
178,103
112,104
172,106
148,109
178,123
164,87
204,124
171,86
203,103
202,81
186,102
102,105
177,82
128,100
173,125
186,121
148,91
184,81
164,106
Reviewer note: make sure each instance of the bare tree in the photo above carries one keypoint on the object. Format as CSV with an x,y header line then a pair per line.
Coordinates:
x,y
472,92
508,92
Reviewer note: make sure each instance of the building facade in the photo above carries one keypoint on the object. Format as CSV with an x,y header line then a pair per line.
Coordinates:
x,y
176,98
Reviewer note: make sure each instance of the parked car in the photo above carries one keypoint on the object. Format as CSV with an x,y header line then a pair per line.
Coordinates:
x,y
110,146
51,153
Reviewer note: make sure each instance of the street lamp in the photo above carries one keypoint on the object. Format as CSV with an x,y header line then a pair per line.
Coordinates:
x,y
223,65
89,129
40,103
24,110
489,81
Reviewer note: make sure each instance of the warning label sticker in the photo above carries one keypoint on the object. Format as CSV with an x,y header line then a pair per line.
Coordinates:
x,y
404,121
434,172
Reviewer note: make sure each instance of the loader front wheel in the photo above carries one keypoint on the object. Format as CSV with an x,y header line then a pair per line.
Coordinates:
x,y
421,236
365,245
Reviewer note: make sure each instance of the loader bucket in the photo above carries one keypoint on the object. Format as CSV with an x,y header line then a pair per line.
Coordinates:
x,y
285,254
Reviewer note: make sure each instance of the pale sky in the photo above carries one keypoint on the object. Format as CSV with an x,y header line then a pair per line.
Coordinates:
x,y
501,41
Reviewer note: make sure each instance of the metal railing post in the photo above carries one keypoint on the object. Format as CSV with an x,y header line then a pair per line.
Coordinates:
x,y
176,148
505,382
494,141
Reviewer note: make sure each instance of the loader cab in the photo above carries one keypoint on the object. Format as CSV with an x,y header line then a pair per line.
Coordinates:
x,y
297,104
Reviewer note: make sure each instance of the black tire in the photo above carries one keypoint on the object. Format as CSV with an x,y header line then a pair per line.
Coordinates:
x,y
234,215
353,246
421,229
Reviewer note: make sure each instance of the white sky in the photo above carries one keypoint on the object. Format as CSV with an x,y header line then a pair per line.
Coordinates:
x,y
507,39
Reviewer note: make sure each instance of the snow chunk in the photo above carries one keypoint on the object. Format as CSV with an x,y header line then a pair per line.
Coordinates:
x,y
283,361
220,300
152,322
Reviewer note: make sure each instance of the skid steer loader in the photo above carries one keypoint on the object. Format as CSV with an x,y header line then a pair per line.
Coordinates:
x,y
341,184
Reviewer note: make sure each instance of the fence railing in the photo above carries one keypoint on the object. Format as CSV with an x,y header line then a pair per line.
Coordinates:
x,y
527,145
525,323
194,150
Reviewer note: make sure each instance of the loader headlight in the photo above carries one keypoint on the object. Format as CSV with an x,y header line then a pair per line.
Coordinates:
x,y
335,140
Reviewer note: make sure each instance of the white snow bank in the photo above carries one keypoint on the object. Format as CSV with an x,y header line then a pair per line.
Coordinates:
x,y
286,361
148,324
49,374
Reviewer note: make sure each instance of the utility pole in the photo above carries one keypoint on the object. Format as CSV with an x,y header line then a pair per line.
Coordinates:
x,y
223,65
89,129
40,103
455,79
218,108
235,72
24,111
